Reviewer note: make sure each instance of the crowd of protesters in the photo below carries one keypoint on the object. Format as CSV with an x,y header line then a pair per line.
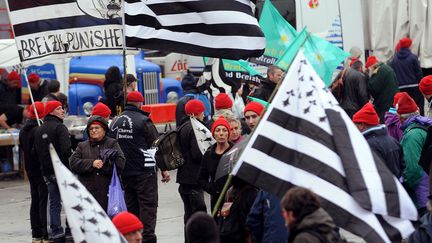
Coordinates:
x,y
390,103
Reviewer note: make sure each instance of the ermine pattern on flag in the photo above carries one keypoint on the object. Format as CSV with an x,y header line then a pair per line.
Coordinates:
x,y
203,135
306,139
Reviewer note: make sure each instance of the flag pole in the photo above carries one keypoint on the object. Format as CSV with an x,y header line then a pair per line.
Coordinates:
x,y
31,97
124,56
230,176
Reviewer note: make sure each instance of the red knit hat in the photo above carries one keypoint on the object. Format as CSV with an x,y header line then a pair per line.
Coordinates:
x,y
223,101
371,61
126,222
14,76
406,104
255,107
100,109
221,121
353,60
194,107
425,85
366,114
40,108
396,98
33,78
135,96
51,105
405,42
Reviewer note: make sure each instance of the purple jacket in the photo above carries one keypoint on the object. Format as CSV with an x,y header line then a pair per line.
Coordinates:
x,y
393,125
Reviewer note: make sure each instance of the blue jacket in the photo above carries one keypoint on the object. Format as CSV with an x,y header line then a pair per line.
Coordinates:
x,y
265,220
407,68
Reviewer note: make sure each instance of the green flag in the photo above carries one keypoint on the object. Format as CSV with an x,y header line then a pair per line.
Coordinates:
x,y
285,60
324,57
262,102
278,34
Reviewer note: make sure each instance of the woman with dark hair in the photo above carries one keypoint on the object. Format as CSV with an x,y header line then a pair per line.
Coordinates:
x,y
113,90
93,160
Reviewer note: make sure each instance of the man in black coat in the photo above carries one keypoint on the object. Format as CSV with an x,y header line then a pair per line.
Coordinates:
x,y
38,188
190,190
135,133
274,76
386,147
53,131
39,88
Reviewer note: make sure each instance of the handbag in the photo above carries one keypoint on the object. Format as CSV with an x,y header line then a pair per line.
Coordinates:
x,y
116,201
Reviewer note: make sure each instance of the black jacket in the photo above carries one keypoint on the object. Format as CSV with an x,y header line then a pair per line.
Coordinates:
x,y
9,95
387,148
41,92
265,90
58,135
355,93
96,180
26,141
114,97
135,133
188,172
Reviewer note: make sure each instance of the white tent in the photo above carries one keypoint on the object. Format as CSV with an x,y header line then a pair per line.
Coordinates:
x,y
8,53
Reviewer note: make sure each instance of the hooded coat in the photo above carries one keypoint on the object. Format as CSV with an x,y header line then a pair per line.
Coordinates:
x,y
318,222
407,68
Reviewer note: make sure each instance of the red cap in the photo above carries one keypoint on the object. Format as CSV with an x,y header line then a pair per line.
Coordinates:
x,y
223,101
255,107
135,96
371,61
14,76
425,85
104,126
40,108
100,109
367,115
33,78
221,121
126,222
353,60
398,47
406,104
405,42
396,98
51,105
194,107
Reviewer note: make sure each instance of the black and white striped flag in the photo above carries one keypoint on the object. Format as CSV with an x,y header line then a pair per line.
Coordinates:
x,y
223,28
64,28
306,139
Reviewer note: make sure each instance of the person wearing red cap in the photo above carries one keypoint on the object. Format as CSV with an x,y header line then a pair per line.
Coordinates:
x,y
425,87
55,132
129,226
38,188
267,86
135,133
190,190
386,147
412,142
10,89
252,113
94,159
408,71
39,87
382,86
220,131
100,109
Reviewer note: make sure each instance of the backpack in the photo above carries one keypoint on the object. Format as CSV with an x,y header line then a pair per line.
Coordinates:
x,y
168,151
335,236
426,153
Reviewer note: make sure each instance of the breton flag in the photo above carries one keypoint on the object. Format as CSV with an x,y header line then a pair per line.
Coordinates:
x,y
223,28
86,218
203,135
64,28
306,139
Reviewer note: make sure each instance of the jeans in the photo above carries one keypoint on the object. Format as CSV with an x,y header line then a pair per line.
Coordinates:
x,y
141,196
54,208
193,200
38,207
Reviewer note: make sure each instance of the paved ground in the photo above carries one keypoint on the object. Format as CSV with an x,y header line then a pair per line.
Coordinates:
x,y
15,219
